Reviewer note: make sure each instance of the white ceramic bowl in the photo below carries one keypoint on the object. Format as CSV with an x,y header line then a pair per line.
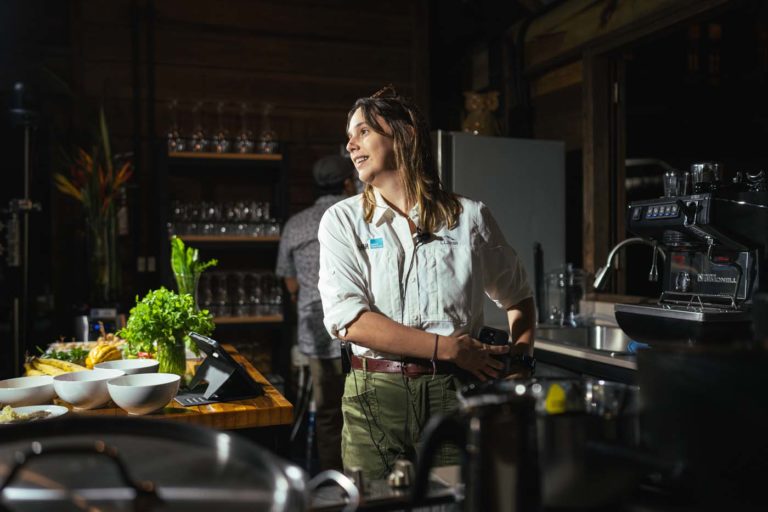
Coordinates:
x,y
86,389
143,393
130,366
27,391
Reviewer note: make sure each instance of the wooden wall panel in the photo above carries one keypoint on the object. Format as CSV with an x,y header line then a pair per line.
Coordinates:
x,y
310,59
558,116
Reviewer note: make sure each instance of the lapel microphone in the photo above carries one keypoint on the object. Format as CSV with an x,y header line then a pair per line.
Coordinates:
x,y
422,237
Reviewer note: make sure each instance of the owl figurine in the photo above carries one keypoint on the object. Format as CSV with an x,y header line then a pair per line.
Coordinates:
x,y
480,108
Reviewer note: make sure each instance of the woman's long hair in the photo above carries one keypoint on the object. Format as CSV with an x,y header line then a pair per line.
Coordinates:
x,y
413,154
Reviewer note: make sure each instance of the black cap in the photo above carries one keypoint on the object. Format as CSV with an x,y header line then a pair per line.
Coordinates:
x,y
332,170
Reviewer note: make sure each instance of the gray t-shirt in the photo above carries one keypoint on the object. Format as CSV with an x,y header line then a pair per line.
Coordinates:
x,y
299,257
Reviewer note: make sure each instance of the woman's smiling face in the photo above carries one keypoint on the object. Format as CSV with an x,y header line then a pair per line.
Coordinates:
x,y
371,152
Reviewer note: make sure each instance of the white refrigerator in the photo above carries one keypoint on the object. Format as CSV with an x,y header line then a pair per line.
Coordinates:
x,y
522,181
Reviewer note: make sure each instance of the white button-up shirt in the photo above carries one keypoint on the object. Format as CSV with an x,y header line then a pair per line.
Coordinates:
x,y
433,282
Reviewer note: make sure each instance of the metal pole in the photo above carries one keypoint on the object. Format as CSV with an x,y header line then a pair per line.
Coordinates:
x,y
25,254
18,250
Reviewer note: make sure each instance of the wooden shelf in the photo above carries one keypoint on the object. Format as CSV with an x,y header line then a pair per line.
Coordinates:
x,y
265,319
229,238
225,156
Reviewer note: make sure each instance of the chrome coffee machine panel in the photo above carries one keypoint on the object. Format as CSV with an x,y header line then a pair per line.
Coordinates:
x,y
715,247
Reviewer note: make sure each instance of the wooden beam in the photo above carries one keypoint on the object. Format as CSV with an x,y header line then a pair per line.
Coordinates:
x,y
559,78
563,33
596,97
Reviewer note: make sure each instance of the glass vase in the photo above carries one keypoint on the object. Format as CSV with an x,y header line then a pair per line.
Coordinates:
x,y
188,283
171,354
103,258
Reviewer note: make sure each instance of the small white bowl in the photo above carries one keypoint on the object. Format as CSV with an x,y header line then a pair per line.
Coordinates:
x,y
130,366
27,391
86,389
144,393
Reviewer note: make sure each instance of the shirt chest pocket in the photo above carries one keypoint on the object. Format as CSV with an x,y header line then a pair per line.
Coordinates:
x,y
383,279
448,283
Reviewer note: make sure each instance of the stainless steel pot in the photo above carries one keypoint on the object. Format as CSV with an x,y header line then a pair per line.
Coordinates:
x,y
497,437
537,442
141,464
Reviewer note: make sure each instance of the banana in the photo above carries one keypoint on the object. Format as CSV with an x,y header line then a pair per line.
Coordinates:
x,y
63,365
46,368
101,353
30,371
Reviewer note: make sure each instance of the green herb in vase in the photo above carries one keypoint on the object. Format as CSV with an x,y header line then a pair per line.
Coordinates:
x,y
160,323
187,267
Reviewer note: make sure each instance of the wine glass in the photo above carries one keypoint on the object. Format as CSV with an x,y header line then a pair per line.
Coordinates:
x,y
221,143
244,140
175,141
199,141
267,142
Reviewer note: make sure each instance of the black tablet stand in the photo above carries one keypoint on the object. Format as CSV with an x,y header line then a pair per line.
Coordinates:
x,y
218,379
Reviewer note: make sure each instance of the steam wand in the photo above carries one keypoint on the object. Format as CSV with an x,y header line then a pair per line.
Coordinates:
x,y
653,275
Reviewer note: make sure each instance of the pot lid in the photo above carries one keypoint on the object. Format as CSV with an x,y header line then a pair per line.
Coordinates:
x,y
140,464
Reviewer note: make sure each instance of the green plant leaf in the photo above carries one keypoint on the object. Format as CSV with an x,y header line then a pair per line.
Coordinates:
x,y
161,317
104,131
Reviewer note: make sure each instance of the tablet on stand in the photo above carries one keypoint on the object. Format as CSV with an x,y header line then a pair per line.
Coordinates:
x,y
219,378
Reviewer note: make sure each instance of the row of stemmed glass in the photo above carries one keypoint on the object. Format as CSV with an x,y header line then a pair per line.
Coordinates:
x,y
239,218
240,293
219,139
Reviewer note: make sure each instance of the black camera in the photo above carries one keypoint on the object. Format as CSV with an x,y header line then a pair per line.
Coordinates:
x,y
493,336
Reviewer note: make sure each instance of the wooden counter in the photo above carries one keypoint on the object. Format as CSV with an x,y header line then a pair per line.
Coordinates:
x,y
270,409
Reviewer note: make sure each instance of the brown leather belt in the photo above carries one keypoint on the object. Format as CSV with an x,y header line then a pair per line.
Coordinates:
x,y
409,367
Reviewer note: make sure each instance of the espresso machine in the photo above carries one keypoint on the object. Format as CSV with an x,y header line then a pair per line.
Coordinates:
x,y
715,242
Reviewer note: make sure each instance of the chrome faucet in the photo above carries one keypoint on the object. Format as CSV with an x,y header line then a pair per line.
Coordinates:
x,y
653,275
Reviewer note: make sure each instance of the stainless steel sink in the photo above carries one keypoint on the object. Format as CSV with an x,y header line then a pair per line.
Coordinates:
x,y
597,337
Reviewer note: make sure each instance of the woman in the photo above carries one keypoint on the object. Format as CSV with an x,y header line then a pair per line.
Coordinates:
x,y
403,268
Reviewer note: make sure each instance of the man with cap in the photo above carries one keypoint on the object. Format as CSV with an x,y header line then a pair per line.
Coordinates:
x,y
297,263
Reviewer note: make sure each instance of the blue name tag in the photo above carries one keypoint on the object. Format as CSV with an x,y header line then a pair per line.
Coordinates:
x,y
376,243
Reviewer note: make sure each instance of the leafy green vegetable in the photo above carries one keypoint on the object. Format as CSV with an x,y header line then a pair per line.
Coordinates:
x,y
161,318
186,265
73,355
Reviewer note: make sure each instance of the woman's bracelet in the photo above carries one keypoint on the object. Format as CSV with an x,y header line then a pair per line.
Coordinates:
x,y
434,357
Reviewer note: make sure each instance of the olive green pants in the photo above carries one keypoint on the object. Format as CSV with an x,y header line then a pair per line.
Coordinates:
x,y
327,389
384,415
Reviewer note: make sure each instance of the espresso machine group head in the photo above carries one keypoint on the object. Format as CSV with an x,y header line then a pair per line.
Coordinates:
x,y
716,242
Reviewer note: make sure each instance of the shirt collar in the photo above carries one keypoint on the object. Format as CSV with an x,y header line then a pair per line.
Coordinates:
x,y
385,213
329,199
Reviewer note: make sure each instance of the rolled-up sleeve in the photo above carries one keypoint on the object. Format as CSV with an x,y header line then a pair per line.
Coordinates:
x,y
341,277
504,277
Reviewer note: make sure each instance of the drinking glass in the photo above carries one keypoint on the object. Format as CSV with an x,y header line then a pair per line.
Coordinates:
x,y
205,292
672,184
222,295
705,176
242,305
256,296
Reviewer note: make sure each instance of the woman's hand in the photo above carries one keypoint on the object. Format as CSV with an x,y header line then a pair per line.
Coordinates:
x,y
475,357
